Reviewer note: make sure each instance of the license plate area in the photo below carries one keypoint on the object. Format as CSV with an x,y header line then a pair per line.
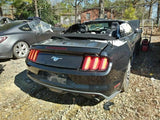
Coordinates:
x,y
57,78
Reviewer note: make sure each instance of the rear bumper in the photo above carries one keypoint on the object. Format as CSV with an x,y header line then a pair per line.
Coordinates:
x,y
90,85
73,90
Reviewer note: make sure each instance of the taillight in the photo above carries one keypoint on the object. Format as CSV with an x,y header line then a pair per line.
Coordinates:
x,y
95,63
3,38
86,63
33,54
103,64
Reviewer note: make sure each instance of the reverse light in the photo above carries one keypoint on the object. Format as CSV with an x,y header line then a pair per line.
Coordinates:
x,y
3,38
95,63
33,54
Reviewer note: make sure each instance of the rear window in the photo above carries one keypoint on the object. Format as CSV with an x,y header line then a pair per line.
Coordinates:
x,y
25,28
9,25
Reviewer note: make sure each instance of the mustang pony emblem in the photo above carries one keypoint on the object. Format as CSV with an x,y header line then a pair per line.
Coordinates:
x,y
54,58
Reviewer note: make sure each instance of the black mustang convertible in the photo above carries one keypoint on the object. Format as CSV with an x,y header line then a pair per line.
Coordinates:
x,y
92,58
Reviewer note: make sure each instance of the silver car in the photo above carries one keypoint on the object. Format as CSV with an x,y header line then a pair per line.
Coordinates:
x,y
17,37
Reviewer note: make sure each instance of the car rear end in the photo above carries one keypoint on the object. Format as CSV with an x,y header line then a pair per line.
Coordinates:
x,y
73,66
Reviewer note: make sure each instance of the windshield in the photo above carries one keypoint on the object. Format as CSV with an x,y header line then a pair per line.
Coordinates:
x,y
98,26
90,27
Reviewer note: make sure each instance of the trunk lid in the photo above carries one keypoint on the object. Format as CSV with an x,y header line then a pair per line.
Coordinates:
x,y
67,53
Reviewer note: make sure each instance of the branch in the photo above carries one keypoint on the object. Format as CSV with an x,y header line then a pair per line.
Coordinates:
x,y
80,2
151,2
73,5
76,4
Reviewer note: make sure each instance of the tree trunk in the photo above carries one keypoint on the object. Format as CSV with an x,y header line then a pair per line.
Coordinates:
x,y
36,8
76,14
150,11
101,11
12,13
158,13
1,11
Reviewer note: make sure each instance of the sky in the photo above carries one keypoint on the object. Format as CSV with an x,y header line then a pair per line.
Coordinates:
x,y
154,13
54,1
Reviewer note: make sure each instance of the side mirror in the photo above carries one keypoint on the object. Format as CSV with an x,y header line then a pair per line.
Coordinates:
x,y
138,30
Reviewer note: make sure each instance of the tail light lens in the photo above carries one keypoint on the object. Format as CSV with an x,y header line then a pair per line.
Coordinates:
x,y
95,63
86,63
33,54
3,38
103,64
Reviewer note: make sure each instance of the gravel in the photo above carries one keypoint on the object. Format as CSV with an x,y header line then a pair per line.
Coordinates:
x,y
22,99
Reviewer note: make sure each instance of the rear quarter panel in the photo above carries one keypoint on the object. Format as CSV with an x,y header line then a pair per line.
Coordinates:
x,y
119,56
13,38
28,37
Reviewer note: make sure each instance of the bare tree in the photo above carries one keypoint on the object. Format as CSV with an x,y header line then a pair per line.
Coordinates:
x,y
101,11
76,4
158,12
36,8
1,4
150,5
1,12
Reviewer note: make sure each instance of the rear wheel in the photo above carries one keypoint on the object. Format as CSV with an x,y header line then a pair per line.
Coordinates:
x,y
125,83
136,51
20,49
137,47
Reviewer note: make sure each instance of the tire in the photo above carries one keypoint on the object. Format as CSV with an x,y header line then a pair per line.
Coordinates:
x,y
136,51
125,83
20,49
137,47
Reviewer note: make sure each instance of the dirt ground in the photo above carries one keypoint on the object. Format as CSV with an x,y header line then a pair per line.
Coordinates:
x,y
22,99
